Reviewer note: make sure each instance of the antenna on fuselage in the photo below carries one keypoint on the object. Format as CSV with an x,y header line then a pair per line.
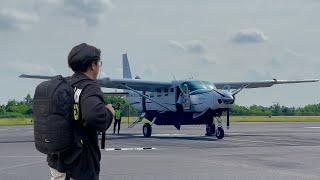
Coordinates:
x,y
174,77
190,76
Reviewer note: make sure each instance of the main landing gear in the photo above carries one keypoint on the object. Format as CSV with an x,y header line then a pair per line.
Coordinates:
x,y
211,129
146,130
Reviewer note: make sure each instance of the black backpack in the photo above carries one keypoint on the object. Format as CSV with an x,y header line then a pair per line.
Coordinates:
x,y
54,112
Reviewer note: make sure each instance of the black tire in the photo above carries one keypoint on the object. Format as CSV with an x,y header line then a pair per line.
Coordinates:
x,y
146,130
210,129
220,133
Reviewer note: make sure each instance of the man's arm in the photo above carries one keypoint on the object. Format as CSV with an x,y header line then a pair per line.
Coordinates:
x,y
93,110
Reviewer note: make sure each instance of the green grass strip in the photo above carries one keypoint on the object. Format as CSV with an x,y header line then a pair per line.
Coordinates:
x,y
28,121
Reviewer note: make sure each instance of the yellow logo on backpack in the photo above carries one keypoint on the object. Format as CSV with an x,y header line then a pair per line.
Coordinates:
x,y
76,112
76,108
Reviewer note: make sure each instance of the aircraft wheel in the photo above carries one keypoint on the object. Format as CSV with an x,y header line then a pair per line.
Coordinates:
x,y
219,133
210,129
146,130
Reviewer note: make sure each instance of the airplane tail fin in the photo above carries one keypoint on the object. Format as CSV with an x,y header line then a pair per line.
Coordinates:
x,y
126,67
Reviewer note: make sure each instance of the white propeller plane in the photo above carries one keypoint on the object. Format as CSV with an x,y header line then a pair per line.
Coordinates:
x,y
180,102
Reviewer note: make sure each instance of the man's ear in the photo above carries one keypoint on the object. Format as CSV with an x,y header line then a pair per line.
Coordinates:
x,y
91,66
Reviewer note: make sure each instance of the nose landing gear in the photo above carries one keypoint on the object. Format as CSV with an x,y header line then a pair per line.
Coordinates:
x,y
220,133
212,130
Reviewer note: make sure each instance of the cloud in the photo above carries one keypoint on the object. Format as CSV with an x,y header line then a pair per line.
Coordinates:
x,y
31,68
246,36
205,61
177,45
88,10
255,75
194,49
275,63
295,54
149,70
193,46
12,19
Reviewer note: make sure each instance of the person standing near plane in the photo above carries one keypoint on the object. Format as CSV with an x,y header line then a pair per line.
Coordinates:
x,y
117,118
184,99
82,162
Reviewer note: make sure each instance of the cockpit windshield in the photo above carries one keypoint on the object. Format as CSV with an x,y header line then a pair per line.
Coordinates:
x,y
197,85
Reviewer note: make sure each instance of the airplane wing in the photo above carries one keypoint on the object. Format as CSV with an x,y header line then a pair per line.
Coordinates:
x,y
136,84
152,86
35,76
121,94
259,84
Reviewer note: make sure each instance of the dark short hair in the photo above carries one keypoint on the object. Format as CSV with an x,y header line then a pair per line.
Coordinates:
x,y
82,56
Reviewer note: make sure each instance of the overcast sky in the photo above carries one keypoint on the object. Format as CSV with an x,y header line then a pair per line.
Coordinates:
x,y
205,39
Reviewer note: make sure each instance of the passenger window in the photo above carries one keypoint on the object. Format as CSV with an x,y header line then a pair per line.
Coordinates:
x,y
166,92
158,92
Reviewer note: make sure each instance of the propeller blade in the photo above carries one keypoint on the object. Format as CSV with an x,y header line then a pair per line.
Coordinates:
x,y
218,92
228,119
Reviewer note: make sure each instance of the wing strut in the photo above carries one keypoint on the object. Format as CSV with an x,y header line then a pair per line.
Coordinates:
x,y
235,92
139,119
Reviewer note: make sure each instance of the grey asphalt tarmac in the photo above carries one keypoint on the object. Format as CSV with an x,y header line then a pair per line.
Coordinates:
x,y
249,151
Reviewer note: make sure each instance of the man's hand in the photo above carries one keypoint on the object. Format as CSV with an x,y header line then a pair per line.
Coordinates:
x,y
110,108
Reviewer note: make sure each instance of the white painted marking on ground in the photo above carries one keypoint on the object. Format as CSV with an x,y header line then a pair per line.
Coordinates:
x,y
312,127
265,142
130,149
172,135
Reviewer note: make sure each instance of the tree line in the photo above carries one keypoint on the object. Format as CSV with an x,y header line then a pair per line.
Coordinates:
x,y
23,108
276,110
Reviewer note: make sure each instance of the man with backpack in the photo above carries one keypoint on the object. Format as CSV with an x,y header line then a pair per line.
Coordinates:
x,y
69,113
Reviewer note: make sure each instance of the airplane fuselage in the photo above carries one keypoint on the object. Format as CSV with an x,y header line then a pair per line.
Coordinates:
x,y
203,103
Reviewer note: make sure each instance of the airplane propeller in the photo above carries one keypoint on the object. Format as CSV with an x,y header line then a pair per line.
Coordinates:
x,y
228,119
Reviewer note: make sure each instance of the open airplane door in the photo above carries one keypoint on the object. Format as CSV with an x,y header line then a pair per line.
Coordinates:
x,y
183,96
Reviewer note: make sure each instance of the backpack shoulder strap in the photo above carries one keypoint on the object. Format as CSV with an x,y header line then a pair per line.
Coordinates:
x,y
78,89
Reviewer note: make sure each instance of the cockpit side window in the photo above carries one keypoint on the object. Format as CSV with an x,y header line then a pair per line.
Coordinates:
x,y
196,85
184,87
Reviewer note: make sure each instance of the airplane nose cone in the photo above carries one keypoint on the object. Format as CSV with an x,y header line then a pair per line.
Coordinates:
x,y
228,98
